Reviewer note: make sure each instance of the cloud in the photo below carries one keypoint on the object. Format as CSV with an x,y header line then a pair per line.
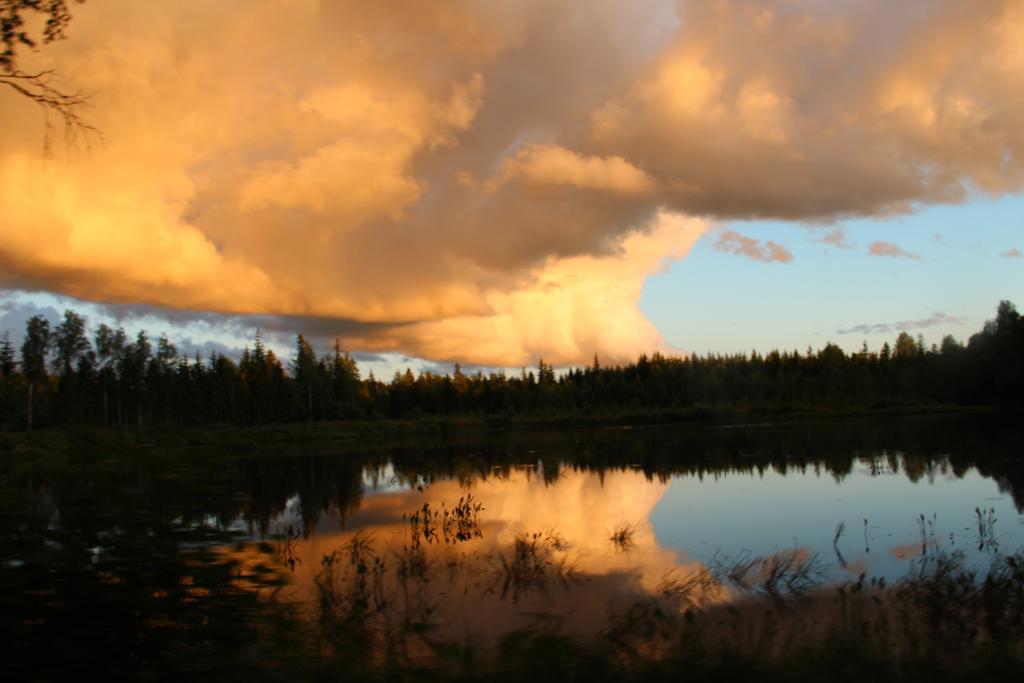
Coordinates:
x,y
575,308
308,162
836,238
1013,252
392,172
544,165
14,315
935,319
733,242
364,357
890,249
800,110
204,349
190,332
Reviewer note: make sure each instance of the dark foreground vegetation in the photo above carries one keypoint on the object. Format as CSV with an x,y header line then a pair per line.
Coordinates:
x,y
61,377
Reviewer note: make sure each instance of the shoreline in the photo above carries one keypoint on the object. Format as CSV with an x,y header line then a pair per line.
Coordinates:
x,y
88,437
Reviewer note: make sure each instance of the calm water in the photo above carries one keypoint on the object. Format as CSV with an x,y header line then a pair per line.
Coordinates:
x,y
466,541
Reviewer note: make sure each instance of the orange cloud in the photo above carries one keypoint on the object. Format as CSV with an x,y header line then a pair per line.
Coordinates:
x,y
554,166
801,111
572,309
733,242
487,182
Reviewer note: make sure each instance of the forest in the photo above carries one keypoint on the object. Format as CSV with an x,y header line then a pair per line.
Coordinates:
x,y
61,377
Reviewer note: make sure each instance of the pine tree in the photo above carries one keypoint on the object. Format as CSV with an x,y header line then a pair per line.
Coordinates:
x,y
33,358
7,362
304,371
110,347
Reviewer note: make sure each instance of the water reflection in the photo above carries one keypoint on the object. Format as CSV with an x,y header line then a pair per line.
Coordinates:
x,y
584,508
575,546
538,548
173,559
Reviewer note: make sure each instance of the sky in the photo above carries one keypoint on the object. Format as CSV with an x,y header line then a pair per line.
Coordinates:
x,y
952,274
494,183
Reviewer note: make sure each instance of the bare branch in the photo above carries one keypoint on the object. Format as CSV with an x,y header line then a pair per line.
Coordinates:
x,y
39,88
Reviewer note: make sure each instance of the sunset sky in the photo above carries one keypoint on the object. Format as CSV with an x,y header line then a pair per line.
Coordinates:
x,y
495,182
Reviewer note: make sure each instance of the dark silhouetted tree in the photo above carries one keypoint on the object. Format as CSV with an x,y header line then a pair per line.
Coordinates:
x,y
110,346
134,363
167,388
33,358
9,381
69,343
7,362
72,352
905,347
304,370
345,384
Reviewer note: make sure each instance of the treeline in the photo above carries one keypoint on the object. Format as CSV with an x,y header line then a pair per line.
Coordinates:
x,y
62,377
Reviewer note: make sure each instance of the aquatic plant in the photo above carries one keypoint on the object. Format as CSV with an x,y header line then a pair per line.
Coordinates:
x,y
456,525
530,564
622,537
986,529
785,574
771,614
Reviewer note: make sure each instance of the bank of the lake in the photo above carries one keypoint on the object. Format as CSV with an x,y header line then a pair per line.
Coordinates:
x,y
353,433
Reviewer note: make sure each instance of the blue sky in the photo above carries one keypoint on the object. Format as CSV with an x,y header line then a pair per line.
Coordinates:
x,y
718,301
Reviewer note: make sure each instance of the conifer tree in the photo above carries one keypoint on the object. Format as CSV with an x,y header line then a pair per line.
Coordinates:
x,y
7,363
33,358
304,371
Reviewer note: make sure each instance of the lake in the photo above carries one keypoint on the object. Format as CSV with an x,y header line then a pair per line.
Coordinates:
x,y
445,554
